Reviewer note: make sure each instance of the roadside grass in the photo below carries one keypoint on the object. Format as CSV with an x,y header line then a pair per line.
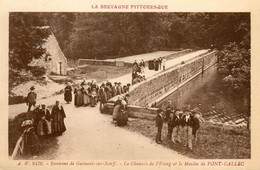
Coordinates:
x,y
214,141
100,73
47,145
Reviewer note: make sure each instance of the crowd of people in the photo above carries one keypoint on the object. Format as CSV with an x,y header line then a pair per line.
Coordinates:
x,y
89,93
44,121
138,69
183,123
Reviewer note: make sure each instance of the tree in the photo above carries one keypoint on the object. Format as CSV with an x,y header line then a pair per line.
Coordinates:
x,y
26,35
235,66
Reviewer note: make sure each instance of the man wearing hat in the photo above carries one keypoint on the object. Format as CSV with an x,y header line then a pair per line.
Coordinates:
x,y
159,125
195,125
177,126
171,124
168,110
186,122
31,98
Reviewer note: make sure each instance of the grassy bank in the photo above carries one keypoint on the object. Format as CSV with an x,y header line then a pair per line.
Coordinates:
x,y
100,73
214,141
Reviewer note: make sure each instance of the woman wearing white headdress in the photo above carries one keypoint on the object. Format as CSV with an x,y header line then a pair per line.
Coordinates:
x,y
116,108
44,123
86,99
120,114
68,93
57,116
78,96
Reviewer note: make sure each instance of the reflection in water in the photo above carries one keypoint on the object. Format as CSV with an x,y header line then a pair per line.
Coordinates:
x,y
209,94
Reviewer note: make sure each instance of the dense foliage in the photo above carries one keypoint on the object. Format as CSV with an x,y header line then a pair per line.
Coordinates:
x,y
26,36
25,39
110,35
235,59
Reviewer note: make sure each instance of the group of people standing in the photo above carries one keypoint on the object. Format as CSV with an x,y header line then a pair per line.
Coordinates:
x,y
85,94
157,64
180,123
138,69
41,123
48,123
89,93
45,122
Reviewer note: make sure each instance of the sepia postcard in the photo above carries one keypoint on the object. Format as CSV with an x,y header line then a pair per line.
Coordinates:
x,y
129,84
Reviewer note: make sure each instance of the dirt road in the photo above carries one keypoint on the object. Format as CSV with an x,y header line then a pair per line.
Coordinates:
x,y
91,135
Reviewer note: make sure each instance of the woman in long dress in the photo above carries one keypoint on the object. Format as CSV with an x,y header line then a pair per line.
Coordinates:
x,y
78,96
86,99
75,95
44,124
57,117
102,96
109,92
116,108
120,116
93,97
68,93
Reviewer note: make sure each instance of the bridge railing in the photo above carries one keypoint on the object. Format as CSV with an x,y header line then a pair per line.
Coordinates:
x,y
19,147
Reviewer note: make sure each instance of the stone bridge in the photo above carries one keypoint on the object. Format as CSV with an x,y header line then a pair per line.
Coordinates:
x,y
159,86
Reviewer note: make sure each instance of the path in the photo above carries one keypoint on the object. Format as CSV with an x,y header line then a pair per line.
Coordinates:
x,y
145,57
91,136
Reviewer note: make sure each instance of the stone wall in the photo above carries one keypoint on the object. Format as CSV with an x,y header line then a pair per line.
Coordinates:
x,y
152,89
134,111
54,60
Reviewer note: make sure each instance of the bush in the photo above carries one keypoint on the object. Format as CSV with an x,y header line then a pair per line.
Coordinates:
x,y
38,71
16,100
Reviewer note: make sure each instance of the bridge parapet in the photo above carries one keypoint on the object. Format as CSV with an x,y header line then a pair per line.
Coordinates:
x,y
166,82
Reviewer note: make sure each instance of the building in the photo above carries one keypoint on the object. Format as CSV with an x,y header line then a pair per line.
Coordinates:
x,y
54,60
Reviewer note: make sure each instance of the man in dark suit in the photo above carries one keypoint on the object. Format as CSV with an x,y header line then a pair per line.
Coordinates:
x,y
31,98
195,126
168,110
186,122
177,126
159,125
170,126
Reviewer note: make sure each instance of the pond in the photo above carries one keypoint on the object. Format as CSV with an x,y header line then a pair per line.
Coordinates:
x,y
216,101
